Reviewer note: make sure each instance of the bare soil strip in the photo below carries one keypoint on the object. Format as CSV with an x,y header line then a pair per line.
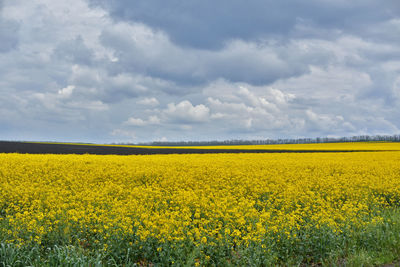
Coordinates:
x,y
48,148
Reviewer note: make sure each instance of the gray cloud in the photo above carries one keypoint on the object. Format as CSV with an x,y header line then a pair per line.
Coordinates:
x,y
138,48
8,32
208,24
74,51
118,71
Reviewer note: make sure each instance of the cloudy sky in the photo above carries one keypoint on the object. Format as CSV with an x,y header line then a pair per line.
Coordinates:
x,y
144,70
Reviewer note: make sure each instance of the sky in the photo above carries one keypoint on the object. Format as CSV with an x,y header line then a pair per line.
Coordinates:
x,y
108,71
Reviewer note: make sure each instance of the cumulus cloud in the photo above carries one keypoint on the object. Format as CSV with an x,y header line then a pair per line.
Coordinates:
x,y
243,109
184,112
67,91
250,108
152,101
270,110
152,120
61,103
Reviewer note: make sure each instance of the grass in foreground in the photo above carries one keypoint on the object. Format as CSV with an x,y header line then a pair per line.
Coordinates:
x,y
374,246
230,209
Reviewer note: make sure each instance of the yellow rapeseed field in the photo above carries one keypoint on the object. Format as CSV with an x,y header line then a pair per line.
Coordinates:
x,y
238,200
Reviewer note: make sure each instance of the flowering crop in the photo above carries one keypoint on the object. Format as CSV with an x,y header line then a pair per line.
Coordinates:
x,y
215,207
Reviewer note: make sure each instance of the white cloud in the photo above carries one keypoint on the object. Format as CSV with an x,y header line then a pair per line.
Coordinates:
x,y
248,107
152,120
61,104
331,82
185,112
135,122
152,101
67,91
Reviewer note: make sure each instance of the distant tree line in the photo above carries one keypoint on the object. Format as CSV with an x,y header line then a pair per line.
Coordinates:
x,y
359,138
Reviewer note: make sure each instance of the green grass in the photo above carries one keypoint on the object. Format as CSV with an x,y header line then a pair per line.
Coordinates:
x,y
371,246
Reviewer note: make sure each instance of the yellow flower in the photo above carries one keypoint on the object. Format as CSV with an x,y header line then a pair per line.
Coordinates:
x,y
237,198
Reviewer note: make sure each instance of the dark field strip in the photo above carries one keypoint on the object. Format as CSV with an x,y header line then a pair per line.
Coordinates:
x,y
43,148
